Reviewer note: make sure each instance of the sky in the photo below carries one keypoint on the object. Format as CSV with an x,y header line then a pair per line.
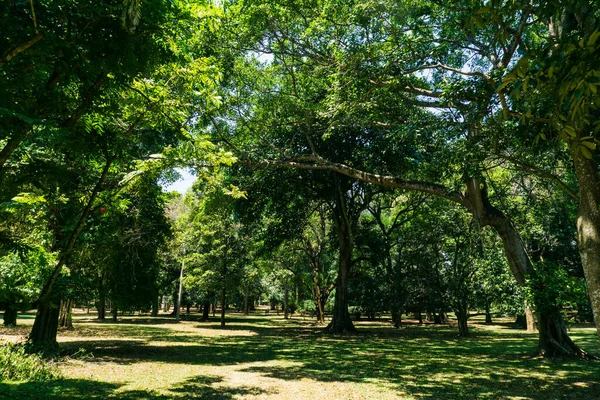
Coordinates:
x,y
183,184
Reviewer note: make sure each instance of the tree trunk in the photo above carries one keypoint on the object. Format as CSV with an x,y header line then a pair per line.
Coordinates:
x,y
488,315
10,314
530,319
205,311
285,302
101,305
420,316
223,307
555,331
340,321
155,306
396,317
588,226
553,338
45,326
463,327
246,293
114,311
65,318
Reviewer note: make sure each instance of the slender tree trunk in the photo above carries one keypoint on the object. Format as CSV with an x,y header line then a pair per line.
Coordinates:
x,y
155,306
488,315
48,307
246,293
420,316
101,305
223,307
285,302
588,226
65,317
10,314
529,319
114,311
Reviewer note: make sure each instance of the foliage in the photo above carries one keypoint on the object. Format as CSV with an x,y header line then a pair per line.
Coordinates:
x,y
17,365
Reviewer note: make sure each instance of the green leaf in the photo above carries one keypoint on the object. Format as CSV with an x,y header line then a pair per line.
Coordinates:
x,y
586,153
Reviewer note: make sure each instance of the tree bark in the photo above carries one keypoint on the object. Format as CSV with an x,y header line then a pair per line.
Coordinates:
x,y
246,293
529,319
65,317
223,307
588,227
285,303
488,315
45,327
155,306
205,311
463,327
114,311
341,321
10,314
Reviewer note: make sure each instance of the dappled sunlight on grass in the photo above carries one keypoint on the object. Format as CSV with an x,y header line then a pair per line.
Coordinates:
x,y
268,357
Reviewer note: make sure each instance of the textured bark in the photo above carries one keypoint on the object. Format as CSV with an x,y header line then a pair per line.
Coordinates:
x,y
45,327
65,318
588,227
340,321
531,325
463,327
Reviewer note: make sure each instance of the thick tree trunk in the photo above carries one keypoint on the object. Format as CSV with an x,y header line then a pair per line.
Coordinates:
x,y
588,227
10,314
340,321
114,311
463,327
554,340
205,311
45,326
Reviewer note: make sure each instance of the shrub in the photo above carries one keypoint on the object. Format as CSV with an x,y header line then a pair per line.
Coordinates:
x,y
17,365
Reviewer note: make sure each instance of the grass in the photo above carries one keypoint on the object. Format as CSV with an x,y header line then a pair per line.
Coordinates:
x,y
267,357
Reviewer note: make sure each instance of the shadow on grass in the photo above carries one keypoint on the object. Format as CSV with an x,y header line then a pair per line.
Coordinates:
x,y
420,361
200,387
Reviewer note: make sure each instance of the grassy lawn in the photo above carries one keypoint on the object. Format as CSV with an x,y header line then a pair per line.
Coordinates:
x,y
266,357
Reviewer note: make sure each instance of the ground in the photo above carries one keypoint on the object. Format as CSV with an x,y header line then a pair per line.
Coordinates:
x,y
266,357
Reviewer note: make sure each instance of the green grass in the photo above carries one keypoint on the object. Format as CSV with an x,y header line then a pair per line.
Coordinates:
x,y
268,357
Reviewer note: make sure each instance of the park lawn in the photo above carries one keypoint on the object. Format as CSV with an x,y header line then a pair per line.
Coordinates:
x,y
267,357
